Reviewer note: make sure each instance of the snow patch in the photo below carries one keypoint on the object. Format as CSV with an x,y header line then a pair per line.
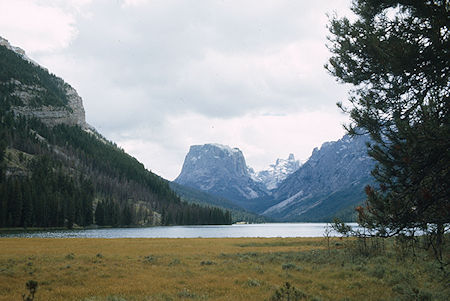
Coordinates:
x,y
225,148
284,203
276,173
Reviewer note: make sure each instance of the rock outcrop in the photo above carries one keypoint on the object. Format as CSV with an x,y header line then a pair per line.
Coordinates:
x,y
276,173
67,106
219,170
72,114
331,180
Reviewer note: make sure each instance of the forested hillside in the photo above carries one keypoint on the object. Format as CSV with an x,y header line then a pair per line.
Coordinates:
x,y
61,175
195,196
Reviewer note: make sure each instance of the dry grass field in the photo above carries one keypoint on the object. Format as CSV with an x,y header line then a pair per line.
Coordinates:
x,y
205,269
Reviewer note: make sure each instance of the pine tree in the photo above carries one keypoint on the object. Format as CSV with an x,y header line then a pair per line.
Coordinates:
x,y
396,54
100,214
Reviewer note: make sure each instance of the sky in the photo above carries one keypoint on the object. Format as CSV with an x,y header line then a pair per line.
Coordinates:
x,y
159,76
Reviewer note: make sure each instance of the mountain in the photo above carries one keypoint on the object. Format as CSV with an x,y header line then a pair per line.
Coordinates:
x,y
220,170
56,170
329,184
37,93
276,173
196,196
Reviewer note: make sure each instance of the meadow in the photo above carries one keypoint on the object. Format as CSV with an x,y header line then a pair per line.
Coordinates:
x,y
215,269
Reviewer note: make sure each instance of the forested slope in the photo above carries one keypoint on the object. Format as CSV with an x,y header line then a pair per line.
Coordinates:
x,y
61,175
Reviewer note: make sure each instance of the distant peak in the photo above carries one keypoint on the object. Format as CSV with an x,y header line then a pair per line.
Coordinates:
x,y
276,173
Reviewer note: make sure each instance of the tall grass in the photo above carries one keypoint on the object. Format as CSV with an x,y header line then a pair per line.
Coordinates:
x,y
216,269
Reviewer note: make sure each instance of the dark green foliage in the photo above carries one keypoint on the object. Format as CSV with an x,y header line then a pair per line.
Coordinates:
x,y
61,170
238,214
289,293
60,192
14,67
396,54
48,198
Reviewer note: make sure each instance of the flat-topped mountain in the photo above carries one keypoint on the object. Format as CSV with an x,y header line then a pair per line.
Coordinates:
x,y
330,183
220,170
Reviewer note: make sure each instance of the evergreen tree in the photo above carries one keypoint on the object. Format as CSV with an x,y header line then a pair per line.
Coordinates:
x,y
396,54
100,214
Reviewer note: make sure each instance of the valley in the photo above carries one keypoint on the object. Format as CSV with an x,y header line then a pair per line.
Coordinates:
x,y
329,184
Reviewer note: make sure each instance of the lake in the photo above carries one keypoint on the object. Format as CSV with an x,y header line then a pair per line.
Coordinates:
x,y
249,230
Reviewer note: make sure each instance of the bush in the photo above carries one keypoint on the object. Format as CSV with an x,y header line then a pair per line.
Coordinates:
x,y
207,262
289,293
253,283
378,272
150,259
32,288
290,266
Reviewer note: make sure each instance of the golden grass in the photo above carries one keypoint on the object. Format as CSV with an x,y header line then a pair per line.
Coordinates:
x,y
176,269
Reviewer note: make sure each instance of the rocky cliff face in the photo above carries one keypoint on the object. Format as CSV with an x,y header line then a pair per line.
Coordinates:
x,y
276,173
219,170
71,114
68,109
332,179
329,184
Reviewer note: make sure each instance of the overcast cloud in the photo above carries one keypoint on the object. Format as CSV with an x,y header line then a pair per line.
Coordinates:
x,y
159,76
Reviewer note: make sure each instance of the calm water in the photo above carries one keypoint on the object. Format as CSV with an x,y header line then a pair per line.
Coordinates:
x,y
253,230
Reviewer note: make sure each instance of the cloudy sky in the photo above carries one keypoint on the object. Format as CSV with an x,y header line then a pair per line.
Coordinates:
x,y
159,76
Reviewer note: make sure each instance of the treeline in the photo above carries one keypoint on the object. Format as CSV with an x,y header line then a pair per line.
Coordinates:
x,y
47,198
191,214
194,196
61,176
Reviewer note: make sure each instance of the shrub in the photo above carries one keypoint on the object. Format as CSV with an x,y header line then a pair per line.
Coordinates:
x,y
290,266
185,293
32,288
176,261
253,283
289,293
207,262
150,259
378,272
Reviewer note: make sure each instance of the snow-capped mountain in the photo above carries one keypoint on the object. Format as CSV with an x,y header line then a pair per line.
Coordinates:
x,y
329,184
219,170
331,181
276,173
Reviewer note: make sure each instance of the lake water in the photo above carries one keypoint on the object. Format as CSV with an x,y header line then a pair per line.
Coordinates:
x,y
250,230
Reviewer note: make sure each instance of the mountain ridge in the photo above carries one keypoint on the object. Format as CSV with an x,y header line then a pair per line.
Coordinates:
x,y
38,93
329,184
57,171
277,172
339,167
